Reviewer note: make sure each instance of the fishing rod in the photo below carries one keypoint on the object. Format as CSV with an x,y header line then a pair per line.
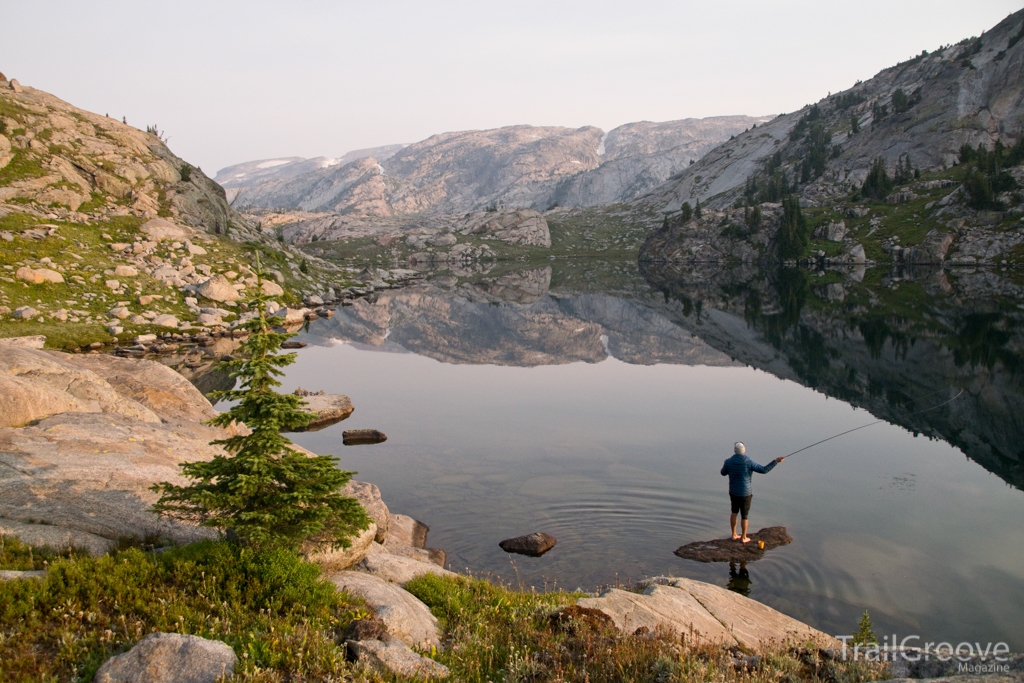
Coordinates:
x,y
872,424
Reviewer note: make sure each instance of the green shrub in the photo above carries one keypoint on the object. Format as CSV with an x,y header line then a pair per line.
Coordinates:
x,y
274,609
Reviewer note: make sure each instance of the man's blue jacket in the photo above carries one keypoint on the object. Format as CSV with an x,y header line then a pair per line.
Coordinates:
x,y
739,467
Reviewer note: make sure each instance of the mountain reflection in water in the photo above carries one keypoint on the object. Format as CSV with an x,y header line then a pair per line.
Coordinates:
x,y
894,343
596,400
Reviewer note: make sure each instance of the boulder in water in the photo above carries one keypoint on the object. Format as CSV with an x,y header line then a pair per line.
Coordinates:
x,y
354,437
534,545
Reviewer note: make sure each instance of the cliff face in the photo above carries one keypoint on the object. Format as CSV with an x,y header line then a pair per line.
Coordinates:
x,y
968,93
76,165
515,167
641,156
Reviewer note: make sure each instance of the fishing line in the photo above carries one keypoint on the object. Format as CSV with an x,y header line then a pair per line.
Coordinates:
x,y
872,424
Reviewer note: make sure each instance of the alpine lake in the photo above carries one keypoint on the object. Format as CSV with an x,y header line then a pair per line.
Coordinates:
x,y
596,400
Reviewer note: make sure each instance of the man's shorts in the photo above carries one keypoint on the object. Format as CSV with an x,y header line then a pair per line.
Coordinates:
x,y
741,504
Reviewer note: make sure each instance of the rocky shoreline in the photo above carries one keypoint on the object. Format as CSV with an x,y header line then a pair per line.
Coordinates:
x,y
83,437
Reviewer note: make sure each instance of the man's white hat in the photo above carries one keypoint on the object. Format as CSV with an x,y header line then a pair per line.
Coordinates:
x,y
739,448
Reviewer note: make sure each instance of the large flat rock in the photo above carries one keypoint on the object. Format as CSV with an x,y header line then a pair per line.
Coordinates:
x,y
35,384
404,616
83,479
152,384
728,550
657,607
706,614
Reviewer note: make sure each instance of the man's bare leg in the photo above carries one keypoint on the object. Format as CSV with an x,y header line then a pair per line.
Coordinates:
x,y
732,525
746,523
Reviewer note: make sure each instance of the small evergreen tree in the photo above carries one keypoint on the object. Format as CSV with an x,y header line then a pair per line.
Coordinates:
x,y
865,635
900,101
697,213
754,218
904,170
878,184
854,124
878,112
263,492
792,239
686,212
304,267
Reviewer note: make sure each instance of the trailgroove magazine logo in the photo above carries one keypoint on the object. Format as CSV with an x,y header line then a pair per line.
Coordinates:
x,y
973,658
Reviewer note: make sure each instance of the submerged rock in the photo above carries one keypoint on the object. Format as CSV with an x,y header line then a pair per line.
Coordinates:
x,y
534,545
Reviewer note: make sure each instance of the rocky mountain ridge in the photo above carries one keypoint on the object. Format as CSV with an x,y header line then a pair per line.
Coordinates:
x,y
970,93
912,133
253,173
106,232
515,167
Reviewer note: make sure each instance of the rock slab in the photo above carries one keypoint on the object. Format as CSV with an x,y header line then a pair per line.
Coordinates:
x,y
403,530
396,658
703,613
398,568
534,545
405,617
728,550
170,658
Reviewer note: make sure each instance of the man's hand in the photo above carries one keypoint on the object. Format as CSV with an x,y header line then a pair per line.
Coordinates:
x,y
779,459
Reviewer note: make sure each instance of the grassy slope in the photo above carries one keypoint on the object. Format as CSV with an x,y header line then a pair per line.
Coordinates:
x,y
87,241
287,624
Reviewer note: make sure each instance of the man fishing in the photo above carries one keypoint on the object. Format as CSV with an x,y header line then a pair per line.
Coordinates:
x,y
739,468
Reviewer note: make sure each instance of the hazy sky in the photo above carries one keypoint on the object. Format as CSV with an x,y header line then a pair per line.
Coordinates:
x,y
235,81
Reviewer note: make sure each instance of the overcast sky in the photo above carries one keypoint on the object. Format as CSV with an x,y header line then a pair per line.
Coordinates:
x,y
236,81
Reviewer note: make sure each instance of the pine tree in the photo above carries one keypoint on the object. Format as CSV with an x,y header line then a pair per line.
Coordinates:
x,y
754,220
697,213
263,492
792,230
878,184
865,635
686,212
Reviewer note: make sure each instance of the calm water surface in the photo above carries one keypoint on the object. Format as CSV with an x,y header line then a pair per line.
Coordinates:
x,y
602,414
